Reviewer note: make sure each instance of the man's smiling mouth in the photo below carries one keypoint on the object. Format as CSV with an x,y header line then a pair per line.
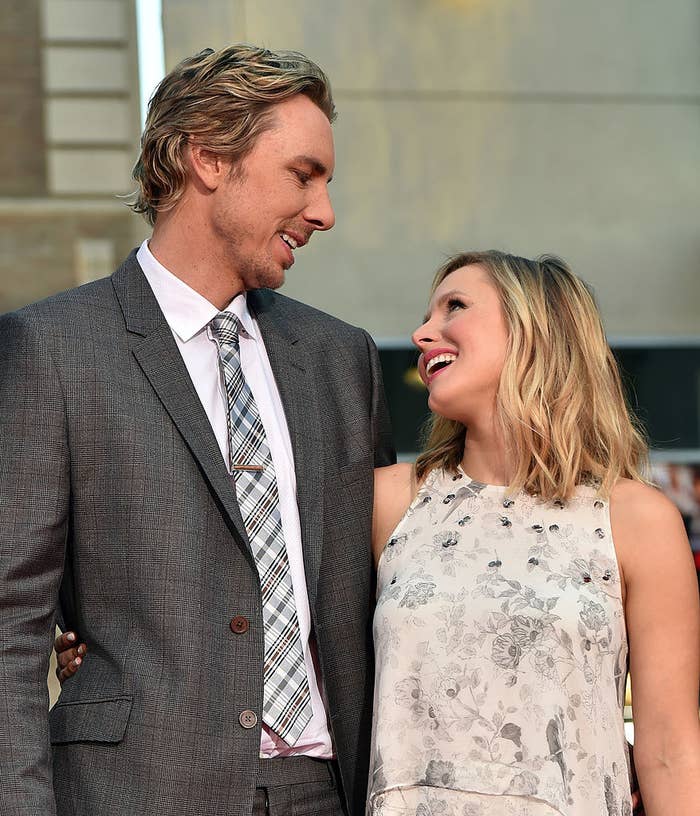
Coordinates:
x,y
292,243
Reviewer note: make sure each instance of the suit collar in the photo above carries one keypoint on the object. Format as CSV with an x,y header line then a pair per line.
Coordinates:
x,y
139,306
274,316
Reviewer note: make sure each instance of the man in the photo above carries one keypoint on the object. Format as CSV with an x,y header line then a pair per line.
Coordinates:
x,y
187,459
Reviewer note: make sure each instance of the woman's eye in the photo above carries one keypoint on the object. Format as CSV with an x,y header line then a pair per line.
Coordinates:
x,y
453,304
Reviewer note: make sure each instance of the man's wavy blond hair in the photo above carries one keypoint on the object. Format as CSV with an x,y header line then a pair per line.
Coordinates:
x,y
224,100
560,400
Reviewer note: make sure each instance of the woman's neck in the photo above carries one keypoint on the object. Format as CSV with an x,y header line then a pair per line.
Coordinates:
x,y
485,455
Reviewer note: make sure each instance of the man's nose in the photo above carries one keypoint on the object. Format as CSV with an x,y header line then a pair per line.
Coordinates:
x,y
320,213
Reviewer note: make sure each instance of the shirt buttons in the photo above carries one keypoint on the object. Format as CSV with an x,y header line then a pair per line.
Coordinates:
x,y
248,718
239,624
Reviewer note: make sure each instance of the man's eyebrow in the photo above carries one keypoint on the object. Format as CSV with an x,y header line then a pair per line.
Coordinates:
x,y
317,167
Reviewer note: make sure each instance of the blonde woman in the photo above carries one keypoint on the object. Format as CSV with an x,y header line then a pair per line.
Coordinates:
x,y
518,559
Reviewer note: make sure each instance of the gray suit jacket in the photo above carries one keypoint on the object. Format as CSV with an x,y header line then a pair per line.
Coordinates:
x,y
115,498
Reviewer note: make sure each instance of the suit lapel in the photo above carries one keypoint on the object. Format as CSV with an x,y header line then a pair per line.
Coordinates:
x,y
292,367
160,360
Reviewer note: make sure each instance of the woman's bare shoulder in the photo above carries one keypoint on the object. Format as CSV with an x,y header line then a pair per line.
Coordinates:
x,y
646,525
637,504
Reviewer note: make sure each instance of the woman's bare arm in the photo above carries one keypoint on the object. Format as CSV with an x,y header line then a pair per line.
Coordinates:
x,y
394,488
663,623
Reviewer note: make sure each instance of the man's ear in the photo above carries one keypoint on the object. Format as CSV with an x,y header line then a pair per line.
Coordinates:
x,y
207,168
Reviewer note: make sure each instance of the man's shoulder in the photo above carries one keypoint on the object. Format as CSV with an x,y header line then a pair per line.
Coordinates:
x,y
276,303
60,306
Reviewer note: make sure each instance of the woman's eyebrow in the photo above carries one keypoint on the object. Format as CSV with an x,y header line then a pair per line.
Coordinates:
x,y
443,299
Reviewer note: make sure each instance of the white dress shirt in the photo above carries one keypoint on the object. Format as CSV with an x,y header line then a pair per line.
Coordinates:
x,y
188,314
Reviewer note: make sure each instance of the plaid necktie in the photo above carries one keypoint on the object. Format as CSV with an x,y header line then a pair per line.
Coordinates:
x,y
287,699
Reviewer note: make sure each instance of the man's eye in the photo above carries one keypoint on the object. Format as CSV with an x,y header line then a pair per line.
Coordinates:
x,y
303,177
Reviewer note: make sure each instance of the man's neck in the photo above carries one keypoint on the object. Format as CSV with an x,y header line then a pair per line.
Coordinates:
x,y
174,245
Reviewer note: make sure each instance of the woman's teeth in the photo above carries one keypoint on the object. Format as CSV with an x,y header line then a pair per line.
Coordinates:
x,y
440,361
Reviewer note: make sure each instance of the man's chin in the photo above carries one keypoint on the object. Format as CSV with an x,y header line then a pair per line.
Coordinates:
x,y
274,281
267,279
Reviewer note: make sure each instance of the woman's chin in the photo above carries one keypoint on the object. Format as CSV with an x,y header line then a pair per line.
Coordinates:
x,y
445,408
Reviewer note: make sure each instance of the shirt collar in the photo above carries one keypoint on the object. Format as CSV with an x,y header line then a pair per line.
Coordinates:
x,y
186,311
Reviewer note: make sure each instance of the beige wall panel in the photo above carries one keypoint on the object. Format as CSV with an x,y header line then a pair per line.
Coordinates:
x,y
22,167
94,259
102,20
615,190
38,250
491,46
86,69
89,171
88,120
189,27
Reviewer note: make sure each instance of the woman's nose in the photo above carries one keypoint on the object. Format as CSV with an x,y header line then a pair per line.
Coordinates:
x,y
424,335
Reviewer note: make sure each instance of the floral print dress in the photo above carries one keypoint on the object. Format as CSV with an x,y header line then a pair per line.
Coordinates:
x,y
501,658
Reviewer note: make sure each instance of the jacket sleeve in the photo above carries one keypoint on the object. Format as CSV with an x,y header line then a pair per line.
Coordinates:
x,y
34,500
384,453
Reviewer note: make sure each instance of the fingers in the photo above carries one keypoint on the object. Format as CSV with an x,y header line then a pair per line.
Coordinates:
x,y
637,804
65,658
64,641
69,656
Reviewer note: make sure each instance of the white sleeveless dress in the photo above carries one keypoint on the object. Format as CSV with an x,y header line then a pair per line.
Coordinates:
x,y
501,658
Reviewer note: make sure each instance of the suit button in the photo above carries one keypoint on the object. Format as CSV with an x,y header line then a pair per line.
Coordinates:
x,y
239,625
248,718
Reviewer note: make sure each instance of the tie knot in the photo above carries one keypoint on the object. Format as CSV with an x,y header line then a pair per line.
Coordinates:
x,y
225,328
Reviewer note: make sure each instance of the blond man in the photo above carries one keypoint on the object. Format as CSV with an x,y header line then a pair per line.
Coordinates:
x,y
187,458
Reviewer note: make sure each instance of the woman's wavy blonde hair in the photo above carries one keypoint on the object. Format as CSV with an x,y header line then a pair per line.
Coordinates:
x,y
223,99
560,401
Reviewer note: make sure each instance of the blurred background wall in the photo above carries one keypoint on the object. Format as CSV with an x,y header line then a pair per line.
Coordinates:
x,y
528,125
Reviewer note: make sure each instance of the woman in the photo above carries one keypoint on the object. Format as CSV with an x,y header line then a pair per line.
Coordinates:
x,y
516,560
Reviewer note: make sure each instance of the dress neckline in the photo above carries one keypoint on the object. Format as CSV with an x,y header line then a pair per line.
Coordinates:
x,y
485,484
